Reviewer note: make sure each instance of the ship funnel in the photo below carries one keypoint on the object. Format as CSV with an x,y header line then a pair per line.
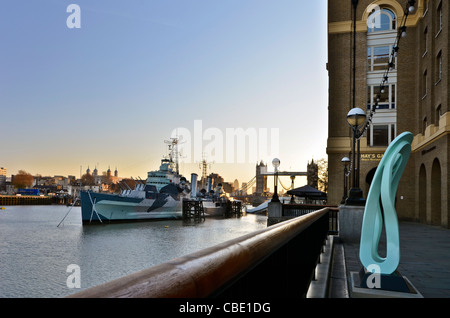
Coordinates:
x,y
193,185
209,184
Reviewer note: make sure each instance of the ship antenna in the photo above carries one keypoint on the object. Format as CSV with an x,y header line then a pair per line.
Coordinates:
x,y
173,152
177,168
204,165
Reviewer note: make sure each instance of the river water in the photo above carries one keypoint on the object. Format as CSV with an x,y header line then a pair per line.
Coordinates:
x,y
35,253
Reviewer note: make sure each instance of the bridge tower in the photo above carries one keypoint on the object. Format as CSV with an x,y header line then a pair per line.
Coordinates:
x,y
261,179
313,174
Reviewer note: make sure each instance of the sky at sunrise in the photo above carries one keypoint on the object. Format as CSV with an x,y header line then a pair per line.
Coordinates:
x,y
109,91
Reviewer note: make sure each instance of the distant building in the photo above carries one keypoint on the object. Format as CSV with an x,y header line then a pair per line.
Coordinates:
x,y
414,98
235,185
105,178
2,179
244,189
215,180
115,178
227,187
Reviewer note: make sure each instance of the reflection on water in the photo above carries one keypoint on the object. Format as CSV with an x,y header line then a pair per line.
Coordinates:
x,y
35,253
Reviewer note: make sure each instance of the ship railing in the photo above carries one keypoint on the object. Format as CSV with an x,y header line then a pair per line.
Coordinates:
x,y
278,261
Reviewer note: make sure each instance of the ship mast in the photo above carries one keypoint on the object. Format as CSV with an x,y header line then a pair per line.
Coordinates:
x,y
173,153
204,167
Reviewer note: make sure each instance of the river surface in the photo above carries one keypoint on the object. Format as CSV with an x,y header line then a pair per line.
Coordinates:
x,y
36,253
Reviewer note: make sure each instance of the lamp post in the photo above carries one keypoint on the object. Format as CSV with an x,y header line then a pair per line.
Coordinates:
x,y
356,118
276,164
346,162
355,5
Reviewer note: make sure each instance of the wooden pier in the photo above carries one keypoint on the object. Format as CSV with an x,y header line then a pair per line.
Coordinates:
x,y
35,200
24,200
234,209
193,210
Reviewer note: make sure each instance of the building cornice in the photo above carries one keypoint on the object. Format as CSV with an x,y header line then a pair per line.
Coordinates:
x,y
344,145
432,134
421,141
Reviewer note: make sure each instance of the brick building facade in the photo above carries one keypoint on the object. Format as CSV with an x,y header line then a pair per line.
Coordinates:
x,y
414,98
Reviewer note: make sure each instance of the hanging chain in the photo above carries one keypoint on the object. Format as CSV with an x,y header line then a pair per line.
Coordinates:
x,y
400,33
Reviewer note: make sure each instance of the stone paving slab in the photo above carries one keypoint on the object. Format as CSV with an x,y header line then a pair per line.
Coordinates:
x,y
424,258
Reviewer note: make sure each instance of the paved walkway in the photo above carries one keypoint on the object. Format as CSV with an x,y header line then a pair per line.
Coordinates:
x,y
424,260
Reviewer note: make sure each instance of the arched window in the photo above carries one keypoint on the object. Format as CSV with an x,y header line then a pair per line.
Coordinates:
x,y
382,20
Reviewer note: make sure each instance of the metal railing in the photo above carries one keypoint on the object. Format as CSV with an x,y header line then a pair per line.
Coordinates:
x,y
296,210
277,262
333,221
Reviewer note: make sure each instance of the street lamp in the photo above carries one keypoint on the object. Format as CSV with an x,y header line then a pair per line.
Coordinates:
x,y
276,164
345,161
356,118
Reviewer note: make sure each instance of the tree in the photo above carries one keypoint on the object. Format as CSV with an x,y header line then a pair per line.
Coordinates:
x,y
87,179
323,175
22,180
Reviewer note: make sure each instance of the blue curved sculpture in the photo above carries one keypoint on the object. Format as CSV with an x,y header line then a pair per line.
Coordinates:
x,y
381,199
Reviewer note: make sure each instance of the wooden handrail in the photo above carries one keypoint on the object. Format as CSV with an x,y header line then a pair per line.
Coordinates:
x,y
201,274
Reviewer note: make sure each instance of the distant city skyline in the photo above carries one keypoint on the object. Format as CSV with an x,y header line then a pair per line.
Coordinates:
x,y
112,91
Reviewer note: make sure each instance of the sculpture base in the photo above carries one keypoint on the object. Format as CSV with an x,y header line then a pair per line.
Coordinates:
x,y
392,286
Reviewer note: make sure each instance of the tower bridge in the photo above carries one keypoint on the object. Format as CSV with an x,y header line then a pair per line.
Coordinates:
x,y
260,181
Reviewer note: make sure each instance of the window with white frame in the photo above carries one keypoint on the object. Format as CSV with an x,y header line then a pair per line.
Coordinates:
x,y
385,96
378,57
381,135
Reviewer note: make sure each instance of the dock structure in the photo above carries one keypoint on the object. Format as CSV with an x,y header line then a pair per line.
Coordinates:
x,y
25,200
234,209
35,200
193,210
